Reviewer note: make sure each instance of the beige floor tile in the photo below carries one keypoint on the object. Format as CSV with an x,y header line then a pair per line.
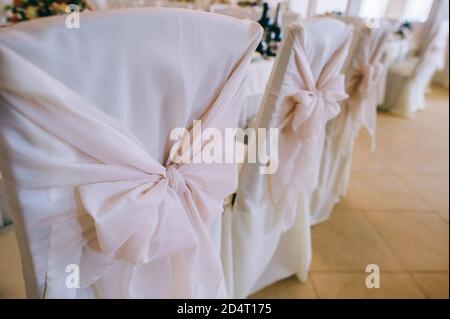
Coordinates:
x,y
348,242
390,123
432,149
443,214
363,161
434,285
408,159
433,119
290,288
419,240
352,285
393,130
11,279
381,191
434,190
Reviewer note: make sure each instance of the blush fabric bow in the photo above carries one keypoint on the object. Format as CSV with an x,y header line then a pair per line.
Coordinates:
x,y
302,130
142,213
360,109
316,106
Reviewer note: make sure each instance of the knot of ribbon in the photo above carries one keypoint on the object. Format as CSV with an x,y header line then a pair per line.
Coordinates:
x,y
176,180
315,104
364,78
133,216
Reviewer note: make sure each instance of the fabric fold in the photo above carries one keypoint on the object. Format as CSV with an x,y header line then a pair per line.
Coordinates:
x,y
312,105
144,218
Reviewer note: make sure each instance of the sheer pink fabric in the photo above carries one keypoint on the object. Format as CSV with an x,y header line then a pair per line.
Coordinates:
x,y
302,95
358,111
87,191
364,72
309,101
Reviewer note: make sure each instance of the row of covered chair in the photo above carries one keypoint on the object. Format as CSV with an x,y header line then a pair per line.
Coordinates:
x,y
86,149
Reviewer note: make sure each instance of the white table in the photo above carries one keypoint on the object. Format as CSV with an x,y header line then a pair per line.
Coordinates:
x,y
258,76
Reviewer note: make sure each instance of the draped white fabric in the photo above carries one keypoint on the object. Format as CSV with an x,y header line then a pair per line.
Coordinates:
x,y
359,111
89,175
397,50
258,76
302,95
236,11
86,137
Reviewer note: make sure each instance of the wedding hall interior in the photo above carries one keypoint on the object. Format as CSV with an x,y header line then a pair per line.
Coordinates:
x,y
120,179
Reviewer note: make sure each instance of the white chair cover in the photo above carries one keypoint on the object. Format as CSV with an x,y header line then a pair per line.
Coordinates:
x,y
302,95
408,81
397,50
114,4
358,111
236,11
85,121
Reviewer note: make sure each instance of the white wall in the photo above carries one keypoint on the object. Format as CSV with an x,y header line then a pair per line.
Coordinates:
x,y
395,9
300,7
354,6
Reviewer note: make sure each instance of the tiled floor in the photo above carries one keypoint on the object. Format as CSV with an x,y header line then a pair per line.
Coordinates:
x,y
395,215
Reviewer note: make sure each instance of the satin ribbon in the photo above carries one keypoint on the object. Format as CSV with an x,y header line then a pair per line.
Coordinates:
x,y
126,215
313,109
143,212
311,104
362,112
362,79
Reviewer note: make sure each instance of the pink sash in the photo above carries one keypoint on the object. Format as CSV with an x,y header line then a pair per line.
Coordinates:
x,y
129,208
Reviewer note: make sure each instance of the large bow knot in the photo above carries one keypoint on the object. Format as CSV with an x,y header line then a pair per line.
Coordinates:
x,y
321,101
365,78
131,216
176,180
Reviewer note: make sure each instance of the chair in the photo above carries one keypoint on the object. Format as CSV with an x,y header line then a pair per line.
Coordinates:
x,y
408,81
358,111
85,138
236,11
301,96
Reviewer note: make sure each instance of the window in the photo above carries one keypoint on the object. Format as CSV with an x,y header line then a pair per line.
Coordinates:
x,y
327,6
417,10
373,9
300,7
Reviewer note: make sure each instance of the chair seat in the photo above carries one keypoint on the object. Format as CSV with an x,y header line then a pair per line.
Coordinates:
x,y
405,68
